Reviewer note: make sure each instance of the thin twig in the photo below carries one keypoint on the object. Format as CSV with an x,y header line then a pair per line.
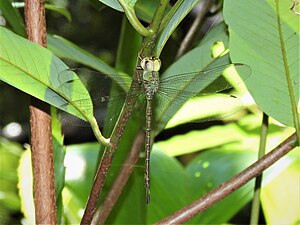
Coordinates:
x,y
258,181
116,189
200,205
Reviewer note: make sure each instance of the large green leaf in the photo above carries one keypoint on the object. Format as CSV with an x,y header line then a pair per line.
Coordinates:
x,y
265,36
243,135
36,71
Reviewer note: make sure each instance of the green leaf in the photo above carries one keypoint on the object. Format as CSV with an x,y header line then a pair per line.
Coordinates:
x,y
81,163
171,21
66,49
205,108
36,71
13,17
25,187
113,4
61,10
10,154
266,38
212,137
243,135
205,173
283,190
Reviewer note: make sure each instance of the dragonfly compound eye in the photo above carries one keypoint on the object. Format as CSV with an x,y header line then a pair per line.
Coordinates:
x,y
151,64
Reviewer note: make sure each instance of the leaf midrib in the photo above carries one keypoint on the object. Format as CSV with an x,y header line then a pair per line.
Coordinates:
x,y
287,72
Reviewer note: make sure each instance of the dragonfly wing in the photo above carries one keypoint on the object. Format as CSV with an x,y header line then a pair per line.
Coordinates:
x,y
196,110
98,86
207,81
206,108
194,85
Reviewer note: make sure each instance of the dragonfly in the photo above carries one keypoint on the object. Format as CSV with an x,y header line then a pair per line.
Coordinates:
x,y
150,80
152,88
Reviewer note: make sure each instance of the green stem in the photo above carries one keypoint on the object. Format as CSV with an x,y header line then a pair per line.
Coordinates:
x,y
258,181
149,41
97,132
130,13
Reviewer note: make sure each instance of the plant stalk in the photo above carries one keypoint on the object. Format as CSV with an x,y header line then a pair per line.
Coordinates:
x,y
40,125
258,181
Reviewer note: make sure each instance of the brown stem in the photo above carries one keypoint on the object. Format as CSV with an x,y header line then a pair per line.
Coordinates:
x,y
200,205
40,123
111,199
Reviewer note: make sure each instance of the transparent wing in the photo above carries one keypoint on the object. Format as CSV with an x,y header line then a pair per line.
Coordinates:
x,y
206,81
100,88
176,90
173,92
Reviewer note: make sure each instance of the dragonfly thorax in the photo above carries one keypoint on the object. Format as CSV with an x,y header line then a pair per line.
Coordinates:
x,y
151,83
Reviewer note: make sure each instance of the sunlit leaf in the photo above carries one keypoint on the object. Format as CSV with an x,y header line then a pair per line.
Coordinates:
x,y
283,191
36,71
9,200
25,187
265,36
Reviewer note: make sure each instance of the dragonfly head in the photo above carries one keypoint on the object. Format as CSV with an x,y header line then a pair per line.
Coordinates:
x,y
151,64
